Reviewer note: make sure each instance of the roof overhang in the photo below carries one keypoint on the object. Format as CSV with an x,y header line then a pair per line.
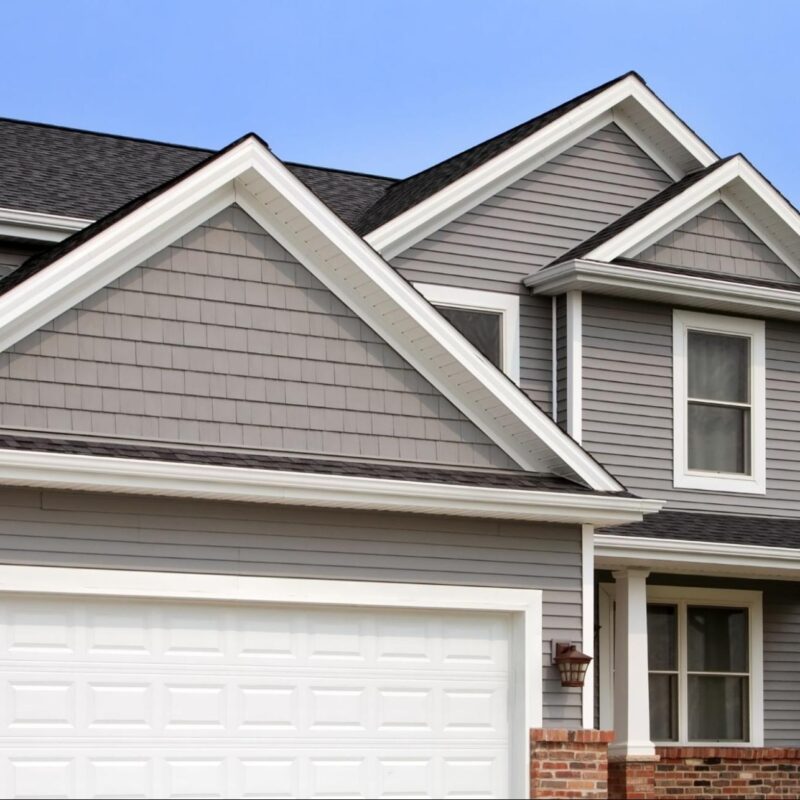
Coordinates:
x,y
661,286
737,184
629,103
248,174
613,551
213,482
33,225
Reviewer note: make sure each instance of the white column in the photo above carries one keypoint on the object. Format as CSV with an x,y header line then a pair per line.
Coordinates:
x,y
631,690
575,365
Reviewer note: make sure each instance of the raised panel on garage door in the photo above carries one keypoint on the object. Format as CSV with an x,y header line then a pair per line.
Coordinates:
x,y
105,698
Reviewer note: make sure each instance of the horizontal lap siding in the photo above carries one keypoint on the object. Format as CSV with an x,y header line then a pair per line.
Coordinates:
x,y
84,530
781,648
528,224
627,406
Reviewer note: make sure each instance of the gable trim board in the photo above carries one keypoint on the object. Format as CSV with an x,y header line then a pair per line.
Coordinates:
x,y
20,224
649,282
628,101
249,175
734,182
207,481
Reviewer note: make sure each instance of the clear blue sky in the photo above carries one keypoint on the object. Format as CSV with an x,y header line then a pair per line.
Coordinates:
x,y
391,86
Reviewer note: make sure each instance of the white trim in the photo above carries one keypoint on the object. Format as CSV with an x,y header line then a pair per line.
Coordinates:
x,y
525,606
587,621
683,596
413,225
604,658
251,176
98,473
756,481
681,555
651,150
507,305
41,227
554,357
660,286
575,365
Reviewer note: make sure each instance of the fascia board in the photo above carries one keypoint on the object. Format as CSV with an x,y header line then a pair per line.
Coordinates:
x,y
39,226
136,476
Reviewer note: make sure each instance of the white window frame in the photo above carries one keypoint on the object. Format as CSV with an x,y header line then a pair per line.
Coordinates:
x,y
683,596
756,481
507,305
524,607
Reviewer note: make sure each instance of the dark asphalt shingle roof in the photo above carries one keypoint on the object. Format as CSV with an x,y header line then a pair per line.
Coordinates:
x,y
75,173
502,479
413,190
718,528
640,212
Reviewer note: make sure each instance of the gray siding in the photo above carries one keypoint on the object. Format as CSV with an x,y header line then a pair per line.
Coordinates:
x,y
504,239
627,406
561,361
718,241
102,531
781,648
225,339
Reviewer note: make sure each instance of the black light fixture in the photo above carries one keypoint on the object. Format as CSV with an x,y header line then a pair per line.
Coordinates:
x,y
571,662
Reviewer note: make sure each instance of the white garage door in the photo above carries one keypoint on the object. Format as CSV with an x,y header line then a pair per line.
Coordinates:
x,y
133,698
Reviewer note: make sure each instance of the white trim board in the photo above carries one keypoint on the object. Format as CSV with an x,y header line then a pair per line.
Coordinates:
x,y
38,226
251,176
574,312
175,479
672,288
524,605
628,98
507,305
587,622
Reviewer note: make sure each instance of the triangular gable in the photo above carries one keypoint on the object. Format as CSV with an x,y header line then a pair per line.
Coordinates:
x,y
732,181
225,339
248,174
414,208
718,241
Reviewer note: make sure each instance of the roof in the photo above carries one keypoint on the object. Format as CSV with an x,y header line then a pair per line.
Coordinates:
x,y
640,212
75,173
413,190
717,528
504,479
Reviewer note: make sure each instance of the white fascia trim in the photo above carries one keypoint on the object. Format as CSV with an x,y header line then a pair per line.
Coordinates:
x,y
524,606
507,305
575,365
587,627
171,214
138,476
666,287
41,227
754,330
681,555
468,191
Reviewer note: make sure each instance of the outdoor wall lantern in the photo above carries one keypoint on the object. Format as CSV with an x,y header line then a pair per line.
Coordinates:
x,y
571,662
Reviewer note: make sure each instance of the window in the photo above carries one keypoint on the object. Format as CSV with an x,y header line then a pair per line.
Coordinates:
x,y
718,377
704,653
488,320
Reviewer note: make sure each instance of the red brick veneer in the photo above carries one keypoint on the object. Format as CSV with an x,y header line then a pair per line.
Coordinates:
x,y
569,764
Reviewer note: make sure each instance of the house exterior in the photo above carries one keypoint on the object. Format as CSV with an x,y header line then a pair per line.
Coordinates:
x,y
306,474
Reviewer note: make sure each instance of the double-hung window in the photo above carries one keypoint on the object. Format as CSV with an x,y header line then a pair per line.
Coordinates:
x,y
718,375
488,320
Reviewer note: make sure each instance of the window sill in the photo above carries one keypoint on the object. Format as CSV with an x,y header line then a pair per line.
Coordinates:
x,y
711,482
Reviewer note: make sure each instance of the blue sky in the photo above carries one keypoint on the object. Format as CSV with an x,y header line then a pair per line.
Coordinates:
x,y
391,86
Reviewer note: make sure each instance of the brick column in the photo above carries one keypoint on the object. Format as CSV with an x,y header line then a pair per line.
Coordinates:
x,y
569,764
632,778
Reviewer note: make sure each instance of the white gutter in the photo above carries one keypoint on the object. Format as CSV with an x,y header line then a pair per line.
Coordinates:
x,y
42,227
135,476
678,555
665,287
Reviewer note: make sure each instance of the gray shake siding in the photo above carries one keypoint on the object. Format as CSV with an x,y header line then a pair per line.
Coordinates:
x,y
116,532
781,646
718,241
627,406
225,339
507,237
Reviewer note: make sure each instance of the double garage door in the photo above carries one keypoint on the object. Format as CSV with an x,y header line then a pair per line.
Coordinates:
x,y
144,698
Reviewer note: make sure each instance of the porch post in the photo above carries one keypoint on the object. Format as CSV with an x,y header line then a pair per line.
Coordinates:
x,y
631,690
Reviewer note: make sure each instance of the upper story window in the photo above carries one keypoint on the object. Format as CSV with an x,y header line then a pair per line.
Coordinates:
x,y
718,380
488,320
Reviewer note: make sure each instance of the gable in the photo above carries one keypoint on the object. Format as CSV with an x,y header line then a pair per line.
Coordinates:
x,y
717,240
224,339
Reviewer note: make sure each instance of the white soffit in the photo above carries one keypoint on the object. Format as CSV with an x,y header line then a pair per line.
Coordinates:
x,y
629,102
248,174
